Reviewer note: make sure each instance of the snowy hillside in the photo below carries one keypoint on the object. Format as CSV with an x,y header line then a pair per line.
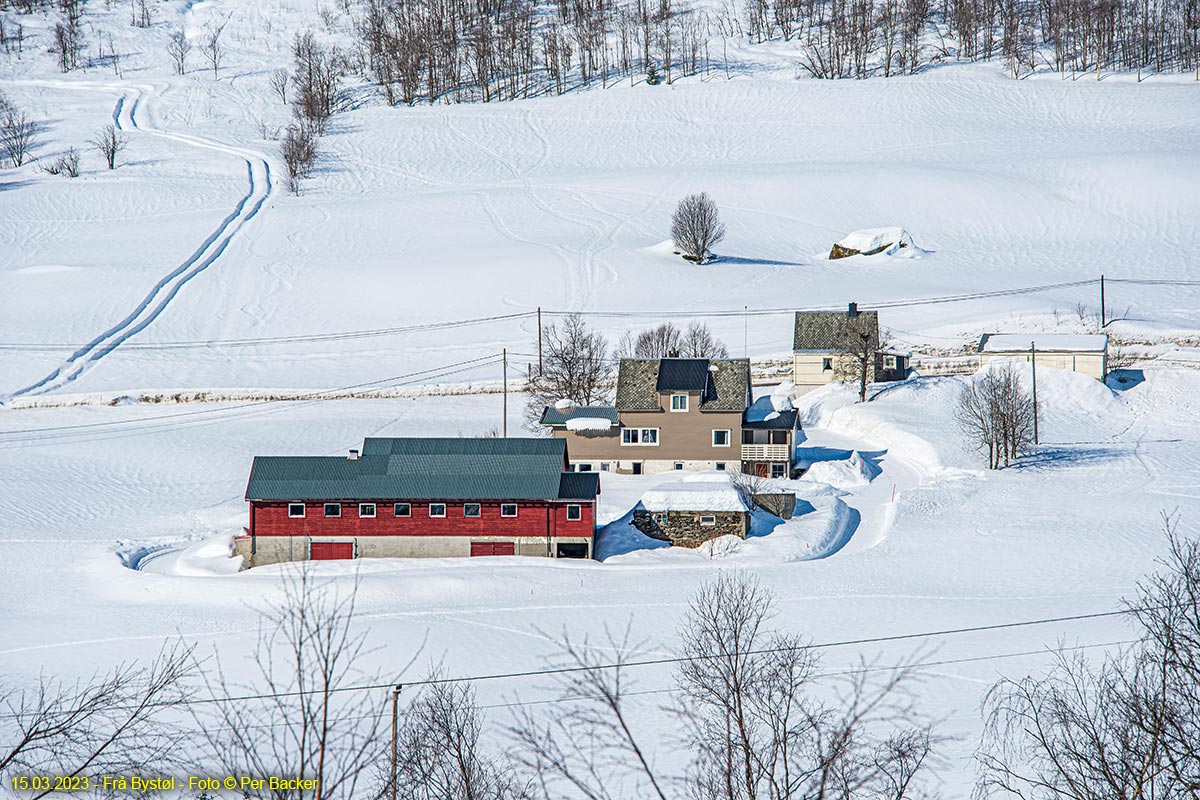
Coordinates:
x,y
425,243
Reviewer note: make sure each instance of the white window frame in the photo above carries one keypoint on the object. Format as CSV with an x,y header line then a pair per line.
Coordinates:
x,y
294,506
889,362
728,437
478,510
407,510
684,404
442,506
514,508
362,510
639,437
577,510
678,466
337,507
708,520
782,469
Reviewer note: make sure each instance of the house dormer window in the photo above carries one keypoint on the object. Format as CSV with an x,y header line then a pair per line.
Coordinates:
x,y
679,402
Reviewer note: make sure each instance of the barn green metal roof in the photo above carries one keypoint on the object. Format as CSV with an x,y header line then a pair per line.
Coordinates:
x,y
560,416
419,469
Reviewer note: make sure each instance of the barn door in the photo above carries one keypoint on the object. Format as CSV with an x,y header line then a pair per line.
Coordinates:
x,y
493,549
331,551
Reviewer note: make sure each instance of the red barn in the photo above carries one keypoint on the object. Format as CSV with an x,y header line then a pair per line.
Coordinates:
x,y
415,497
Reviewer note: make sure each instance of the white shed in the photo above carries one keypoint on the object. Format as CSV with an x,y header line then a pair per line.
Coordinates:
x,y
1084,353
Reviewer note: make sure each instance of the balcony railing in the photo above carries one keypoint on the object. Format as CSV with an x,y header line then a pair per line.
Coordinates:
x,y
764,452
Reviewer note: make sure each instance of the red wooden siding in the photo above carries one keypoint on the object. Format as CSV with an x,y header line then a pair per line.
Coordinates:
x,y
534,518
493,549
331,551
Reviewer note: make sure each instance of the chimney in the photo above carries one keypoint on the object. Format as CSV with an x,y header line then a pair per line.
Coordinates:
x,y
353,455
852,311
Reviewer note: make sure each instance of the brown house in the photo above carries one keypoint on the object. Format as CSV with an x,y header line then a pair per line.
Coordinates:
x,y
674,414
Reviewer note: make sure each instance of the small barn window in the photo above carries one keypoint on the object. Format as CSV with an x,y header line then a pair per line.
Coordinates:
x,y
366,510
403,509
508,509
437,509
333,509
574,513
826,363
471,509
708,519
296,510
660,518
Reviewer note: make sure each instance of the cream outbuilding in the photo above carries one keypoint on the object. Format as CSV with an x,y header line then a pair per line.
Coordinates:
x,y
1084,353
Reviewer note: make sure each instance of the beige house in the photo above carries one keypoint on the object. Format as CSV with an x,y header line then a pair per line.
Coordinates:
x,y
672,414
816,351
1085,353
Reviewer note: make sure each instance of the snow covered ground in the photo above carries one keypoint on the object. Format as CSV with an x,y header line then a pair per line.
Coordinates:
x,y
121,281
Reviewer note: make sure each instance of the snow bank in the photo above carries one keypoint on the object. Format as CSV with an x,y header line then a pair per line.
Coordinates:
x,y
845,474
588,424
694,496
565,404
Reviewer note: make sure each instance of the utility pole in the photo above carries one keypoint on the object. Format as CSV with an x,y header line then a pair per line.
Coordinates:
x,y
745,331
399,687
1033,365
1103,321
539,341
504,422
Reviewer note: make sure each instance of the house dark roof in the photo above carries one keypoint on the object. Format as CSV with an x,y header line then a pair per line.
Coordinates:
x,y
419,469
725,388
817,331
763,416
559,416
682,375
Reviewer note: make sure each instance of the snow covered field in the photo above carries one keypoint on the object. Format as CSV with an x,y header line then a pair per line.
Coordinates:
x,y
425,215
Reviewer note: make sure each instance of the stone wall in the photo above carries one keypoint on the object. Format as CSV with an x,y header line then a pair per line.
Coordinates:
x,y
683,528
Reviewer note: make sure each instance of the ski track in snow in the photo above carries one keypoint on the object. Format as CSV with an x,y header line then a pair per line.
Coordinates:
x,y
259,188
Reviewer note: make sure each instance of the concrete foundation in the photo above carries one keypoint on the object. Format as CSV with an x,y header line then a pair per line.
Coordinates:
x,y
262,550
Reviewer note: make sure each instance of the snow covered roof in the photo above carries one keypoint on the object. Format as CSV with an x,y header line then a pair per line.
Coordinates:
x,y
1047,342
874,240
556,415
589,424
694,496
770,412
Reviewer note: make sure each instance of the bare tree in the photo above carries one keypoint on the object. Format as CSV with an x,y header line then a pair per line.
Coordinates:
x,y
1127,726
997,415
857,342
304,725
17,134
68,41
667,341
66,164
315,81
696,227
698,342
211,45
279,84
114,723
178,48
575,368
298,147
139,14
441,753
109,143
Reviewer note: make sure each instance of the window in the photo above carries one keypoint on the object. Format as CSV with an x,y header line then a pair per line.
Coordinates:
x,y
779,437
889,362
678,465
747,436
508,509
585,467
721,437
777,470
403,510
708,520
366,510
639,436
604,467
296,510
720,466
574,513
333,509
679,402
470,509
437,509
826,363
660,518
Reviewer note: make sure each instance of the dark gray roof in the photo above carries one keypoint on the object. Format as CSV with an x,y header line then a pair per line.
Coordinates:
x,y
682,375
559,416
726,388
578,486
818,330
418,469
755,417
